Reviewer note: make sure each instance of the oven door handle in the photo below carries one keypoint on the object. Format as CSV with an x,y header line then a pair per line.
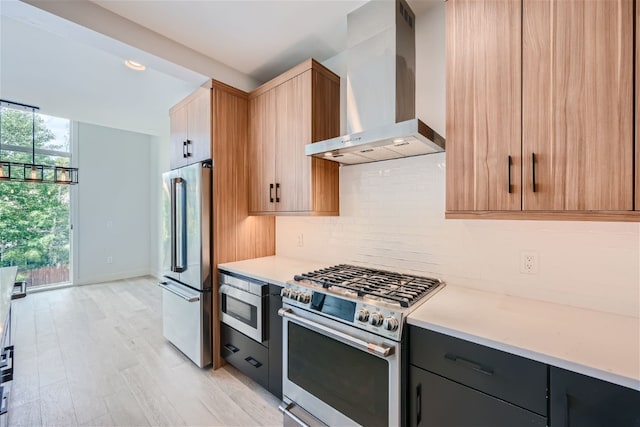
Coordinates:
x,y
376,349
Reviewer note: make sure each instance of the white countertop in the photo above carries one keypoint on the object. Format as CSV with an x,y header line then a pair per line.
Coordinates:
x,y
7,279
273,269
598,344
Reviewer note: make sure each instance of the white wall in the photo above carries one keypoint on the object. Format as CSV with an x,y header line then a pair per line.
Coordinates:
x,y
114,210
392,215
159,163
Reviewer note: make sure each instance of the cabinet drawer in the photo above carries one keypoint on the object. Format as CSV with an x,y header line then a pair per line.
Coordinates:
x,y
515,379
245,354
437,401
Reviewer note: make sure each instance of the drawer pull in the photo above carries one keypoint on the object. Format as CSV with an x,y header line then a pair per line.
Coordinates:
x,y
253,362
469,364
231,348
533,172
419,404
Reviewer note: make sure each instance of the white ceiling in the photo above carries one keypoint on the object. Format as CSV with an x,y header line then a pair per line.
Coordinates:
x,y
258,38
72,67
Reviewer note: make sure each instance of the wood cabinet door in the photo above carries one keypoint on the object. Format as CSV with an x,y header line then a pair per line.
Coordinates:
x,y
483,105
577,105
261,153
293,132
178,135
199,121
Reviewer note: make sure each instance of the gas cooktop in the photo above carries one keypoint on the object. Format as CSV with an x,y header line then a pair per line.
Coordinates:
x,y
390,287
373,300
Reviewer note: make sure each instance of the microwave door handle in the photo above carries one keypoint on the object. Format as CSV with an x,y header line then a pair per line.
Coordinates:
x,y
376,349
173,225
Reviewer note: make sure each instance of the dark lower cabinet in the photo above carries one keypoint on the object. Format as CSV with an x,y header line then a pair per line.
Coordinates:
x,y
261,362
437,401
456,383
581,401
247,355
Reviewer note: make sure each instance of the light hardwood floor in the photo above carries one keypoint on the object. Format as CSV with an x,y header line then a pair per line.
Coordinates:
x,y
95,355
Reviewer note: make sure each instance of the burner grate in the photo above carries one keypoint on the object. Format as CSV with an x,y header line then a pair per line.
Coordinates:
x,y
404,289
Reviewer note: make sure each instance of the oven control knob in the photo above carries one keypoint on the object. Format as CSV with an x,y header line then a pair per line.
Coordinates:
x,y
390,324
362,315
304,297
285,292
376,319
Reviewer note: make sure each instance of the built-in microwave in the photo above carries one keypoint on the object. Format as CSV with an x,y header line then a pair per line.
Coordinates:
x,y
243,305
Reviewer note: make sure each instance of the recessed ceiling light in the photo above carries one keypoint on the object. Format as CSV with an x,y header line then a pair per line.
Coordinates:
x,y
134,65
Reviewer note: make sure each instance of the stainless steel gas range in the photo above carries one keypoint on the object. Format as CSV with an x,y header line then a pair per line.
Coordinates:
x,y
343,348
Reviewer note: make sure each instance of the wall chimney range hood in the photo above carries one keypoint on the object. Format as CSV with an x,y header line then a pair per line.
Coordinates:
x,y
381,121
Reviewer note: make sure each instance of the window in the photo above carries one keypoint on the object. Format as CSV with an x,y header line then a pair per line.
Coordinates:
x,y
35,217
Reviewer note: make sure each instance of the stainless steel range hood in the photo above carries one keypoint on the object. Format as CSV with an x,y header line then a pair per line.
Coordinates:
x,y
381,64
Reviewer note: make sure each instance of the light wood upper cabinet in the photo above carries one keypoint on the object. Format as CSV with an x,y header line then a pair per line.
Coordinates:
x,y
262,152
547,84
293,167
297,108
178,135
190,122
578,105
483,105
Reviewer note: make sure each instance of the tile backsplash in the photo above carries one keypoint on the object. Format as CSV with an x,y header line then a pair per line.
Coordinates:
x,y
392,216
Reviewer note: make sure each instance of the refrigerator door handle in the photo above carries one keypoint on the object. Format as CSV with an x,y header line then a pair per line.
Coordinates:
x,y
188,298
173,225
181,225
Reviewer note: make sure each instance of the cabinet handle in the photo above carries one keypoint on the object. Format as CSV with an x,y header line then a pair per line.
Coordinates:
x,y
509,174
270,193
184,149
188,144
533,171
253,362
277,195
418,404
468,363
231,348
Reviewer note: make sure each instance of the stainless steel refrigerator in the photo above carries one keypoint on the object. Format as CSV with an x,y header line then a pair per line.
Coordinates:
x,y
186,260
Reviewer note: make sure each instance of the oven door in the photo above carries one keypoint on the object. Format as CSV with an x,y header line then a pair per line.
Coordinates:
x,y
337,373
243,311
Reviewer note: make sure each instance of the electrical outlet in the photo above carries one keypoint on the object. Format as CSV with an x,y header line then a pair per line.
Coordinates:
x,y
109,260
529,262
300,240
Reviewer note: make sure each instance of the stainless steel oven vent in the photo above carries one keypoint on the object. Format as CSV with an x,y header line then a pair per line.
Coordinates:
x,y
381,63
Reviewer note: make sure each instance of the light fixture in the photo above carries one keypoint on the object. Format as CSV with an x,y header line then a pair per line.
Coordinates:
x,y
134,65
33,172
